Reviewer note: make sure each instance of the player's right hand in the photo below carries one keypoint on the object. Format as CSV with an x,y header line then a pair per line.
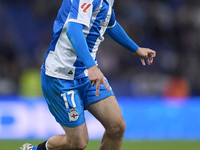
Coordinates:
x,y
96,77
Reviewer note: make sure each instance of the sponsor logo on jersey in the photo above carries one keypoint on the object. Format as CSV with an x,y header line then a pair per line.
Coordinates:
x,y
73,115
70,72
85,7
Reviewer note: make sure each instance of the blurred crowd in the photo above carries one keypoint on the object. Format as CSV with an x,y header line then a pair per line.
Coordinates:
x,y
171,27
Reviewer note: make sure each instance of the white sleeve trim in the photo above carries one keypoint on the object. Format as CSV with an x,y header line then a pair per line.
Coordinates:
x,y
112,25
78,21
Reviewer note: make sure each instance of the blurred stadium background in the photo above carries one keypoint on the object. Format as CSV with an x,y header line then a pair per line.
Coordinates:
x,y
160,102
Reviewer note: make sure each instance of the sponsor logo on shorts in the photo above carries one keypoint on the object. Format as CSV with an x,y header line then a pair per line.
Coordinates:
x,y
73,115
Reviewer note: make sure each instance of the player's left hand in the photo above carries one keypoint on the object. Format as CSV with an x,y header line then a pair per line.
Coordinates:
x,y
145,54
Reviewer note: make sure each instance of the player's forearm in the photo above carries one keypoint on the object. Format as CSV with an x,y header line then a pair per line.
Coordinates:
x,y
78,41
118,34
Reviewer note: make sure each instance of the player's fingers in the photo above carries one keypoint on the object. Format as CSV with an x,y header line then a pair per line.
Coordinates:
x,y
93,82
143,62
97,87
148,61
151,59
106,85
151,55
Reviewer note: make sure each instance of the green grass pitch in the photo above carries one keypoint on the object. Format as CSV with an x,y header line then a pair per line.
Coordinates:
x,y
127,145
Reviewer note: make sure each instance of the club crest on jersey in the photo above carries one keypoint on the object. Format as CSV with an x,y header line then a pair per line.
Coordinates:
x,y
73,115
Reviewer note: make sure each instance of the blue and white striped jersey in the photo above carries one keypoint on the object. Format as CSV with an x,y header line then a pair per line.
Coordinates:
x,y
61,60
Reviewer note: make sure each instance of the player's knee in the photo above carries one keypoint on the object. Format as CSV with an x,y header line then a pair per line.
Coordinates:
x,y
82,145
121,128
118,129
77,144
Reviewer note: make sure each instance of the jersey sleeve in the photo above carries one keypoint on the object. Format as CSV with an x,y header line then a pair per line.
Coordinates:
x,y
112,21
118,34
81,12
78,41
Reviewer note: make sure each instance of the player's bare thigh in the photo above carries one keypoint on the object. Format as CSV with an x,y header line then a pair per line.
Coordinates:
x,y
107,111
